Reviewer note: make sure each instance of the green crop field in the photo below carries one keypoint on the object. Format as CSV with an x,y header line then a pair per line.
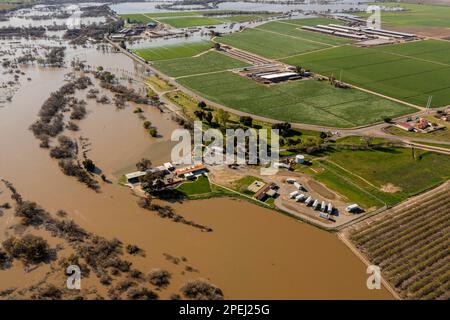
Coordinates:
x,y
173,51
246,17
186,19
174,19
311,21
279,39
186,22
287,28
172,14
208,62
305,101
137,18
389,174
411,72
417,15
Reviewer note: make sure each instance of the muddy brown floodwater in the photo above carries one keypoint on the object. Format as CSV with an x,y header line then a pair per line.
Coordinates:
x,y
253,253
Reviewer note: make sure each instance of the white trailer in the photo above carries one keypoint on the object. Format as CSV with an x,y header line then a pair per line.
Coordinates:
x,y
353,208
300,197
315,204
298,185
324,215
293,194
308,200
330,208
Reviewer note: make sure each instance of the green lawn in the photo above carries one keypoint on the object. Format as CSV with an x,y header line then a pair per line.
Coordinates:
x,y
411,72
335,180
417,15
374,170
242,184
197,187
306,101
173,51
360,141
209,62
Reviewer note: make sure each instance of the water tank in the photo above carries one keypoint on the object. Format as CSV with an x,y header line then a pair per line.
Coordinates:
x,y
299,158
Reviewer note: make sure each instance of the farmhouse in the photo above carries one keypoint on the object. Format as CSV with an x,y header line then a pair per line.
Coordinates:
x,y
404,126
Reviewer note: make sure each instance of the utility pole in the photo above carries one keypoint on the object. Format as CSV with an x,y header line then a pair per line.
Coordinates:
x,y
429,102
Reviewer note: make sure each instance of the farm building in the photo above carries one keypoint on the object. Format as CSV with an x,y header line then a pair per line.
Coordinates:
x,y
191,172
269,190
133,177
422,124
404,126
359,33
280,77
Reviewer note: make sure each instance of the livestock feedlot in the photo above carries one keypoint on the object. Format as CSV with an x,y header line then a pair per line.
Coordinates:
x,y
109,110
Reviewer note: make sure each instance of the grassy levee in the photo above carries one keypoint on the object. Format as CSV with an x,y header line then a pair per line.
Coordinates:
x,y
411,72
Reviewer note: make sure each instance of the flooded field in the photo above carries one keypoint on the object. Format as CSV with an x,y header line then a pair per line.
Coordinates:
x,y
151,6
264,250
252,253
